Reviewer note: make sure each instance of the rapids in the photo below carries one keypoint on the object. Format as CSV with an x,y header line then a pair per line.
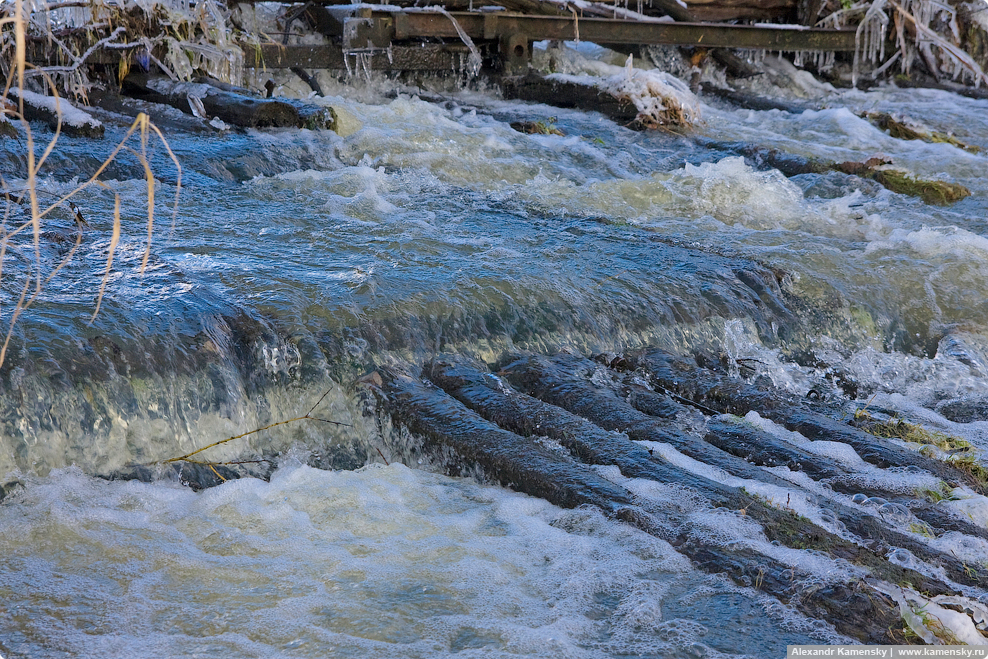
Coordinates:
x,y
299,261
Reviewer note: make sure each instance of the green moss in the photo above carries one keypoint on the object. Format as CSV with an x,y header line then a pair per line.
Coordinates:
x,y
903,131
538,127
959,452
938,193
942,492
969,463
896,428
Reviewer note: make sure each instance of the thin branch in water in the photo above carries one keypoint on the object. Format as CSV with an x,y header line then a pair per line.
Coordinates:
x,y
216,472
335,423
304,417
114,240
317,402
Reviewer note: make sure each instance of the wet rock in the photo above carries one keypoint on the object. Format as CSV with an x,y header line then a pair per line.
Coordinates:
x,y
751,101
465,441
938,193
903,129
345,123
445,426
195,476
9,488
537,127
7,129
725,394
561,94
964,411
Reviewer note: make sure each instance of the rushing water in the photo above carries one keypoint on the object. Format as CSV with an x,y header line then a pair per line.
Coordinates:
x,y
297,261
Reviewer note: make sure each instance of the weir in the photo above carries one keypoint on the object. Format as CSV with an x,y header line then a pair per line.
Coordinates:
x,y
436,373
811,518
507,37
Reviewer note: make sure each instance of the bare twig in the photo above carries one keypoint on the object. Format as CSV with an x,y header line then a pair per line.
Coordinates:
x,y
69,3
307,416
955,51
81,59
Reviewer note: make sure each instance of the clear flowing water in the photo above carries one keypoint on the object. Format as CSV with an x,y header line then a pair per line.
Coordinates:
x,y
297,261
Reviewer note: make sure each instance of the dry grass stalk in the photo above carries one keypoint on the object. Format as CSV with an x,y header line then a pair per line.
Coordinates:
x,y
16,22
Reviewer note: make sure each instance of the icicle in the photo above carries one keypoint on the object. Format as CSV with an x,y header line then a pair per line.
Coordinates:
x,y
867,31
474,61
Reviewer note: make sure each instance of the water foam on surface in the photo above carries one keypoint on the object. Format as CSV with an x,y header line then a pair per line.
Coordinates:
x,y
379,562
729,528
745,531
903,480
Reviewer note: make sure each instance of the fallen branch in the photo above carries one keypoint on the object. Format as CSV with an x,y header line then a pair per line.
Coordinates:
x,y
306,416
81,59
954,51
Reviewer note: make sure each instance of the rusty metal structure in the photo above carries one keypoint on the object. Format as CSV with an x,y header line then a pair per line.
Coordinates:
x,y
396,39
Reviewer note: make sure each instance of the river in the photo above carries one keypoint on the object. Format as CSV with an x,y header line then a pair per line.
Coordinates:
x,y
299,261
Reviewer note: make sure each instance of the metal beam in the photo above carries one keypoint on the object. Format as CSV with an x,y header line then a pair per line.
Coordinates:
x,y
451,57
409,25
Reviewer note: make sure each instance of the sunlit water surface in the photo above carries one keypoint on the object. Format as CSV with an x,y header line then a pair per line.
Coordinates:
x,y
298,260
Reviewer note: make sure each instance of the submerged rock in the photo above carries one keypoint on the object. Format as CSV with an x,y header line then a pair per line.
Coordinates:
x,y
938,193
459,439
634,97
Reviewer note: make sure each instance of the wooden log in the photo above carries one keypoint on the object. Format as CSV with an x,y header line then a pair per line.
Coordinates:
x,y
562,381
310,115
230,107
495,400
747,442
560,94
54,111
467,443
558,381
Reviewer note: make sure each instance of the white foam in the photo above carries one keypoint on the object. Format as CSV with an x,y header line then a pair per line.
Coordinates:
x,y
796,500
928,619
382,560
730,528
656,95
936,241
968,505
903,480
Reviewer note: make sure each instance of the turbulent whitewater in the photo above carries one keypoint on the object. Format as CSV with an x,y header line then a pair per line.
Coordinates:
x,y
622,285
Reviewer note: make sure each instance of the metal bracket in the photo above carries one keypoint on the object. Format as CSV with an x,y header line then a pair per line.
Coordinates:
x,y
515,51
367,32
490,26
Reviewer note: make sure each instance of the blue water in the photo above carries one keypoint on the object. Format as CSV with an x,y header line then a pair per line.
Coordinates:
x,y
297,261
